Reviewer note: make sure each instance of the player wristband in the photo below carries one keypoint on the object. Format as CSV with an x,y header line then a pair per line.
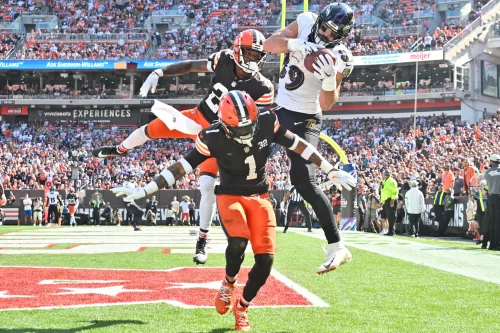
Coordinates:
x,y
158,72
185,164
326,167
169,177
329,84
293,44
152,187
308,152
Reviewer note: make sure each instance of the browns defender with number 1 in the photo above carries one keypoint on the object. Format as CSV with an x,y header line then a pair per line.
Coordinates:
x,y
240,142
236,68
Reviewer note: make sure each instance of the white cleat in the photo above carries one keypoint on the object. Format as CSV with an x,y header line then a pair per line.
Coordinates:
x,y
335,257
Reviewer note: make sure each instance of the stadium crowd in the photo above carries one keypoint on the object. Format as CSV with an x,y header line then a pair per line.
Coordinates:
x,y
439,145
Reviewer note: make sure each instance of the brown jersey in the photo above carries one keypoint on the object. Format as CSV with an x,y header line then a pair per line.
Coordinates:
x,y
223,66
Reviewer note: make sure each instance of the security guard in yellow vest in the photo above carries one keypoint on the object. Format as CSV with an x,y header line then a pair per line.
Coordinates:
x,y
481,197
388,195
438,203
96,207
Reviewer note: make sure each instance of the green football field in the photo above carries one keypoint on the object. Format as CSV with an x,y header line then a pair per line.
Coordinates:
x,y
373,293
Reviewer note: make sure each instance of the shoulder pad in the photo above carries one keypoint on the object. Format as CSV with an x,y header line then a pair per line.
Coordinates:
x,y
219,58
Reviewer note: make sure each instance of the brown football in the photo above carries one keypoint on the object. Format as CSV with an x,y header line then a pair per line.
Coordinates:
x,y
313,57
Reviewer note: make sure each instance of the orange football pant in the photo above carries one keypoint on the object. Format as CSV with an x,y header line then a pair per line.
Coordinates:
x,y
158,130
251,218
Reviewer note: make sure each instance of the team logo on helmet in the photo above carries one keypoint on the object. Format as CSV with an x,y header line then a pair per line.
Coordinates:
x,y
238,115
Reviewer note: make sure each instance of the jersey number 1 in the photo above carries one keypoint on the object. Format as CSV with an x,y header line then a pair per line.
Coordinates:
x,y
252,168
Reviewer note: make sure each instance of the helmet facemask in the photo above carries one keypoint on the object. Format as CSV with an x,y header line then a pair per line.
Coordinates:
x,y
250,59
243,133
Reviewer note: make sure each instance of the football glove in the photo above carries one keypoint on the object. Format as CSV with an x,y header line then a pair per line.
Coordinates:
x,y
150,83
303,47
342,179
324,69
131,193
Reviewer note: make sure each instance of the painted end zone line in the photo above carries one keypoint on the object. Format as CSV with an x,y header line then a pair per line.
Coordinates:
x,y
313,299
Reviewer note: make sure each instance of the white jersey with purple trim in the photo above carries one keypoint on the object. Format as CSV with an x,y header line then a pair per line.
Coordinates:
x,y
53,198
298,88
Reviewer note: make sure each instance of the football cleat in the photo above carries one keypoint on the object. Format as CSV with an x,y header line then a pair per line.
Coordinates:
x,y
334,258
106,151
241,318
200,256
224,297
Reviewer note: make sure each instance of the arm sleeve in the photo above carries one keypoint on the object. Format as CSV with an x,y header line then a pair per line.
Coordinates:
x,y
279,135
201,151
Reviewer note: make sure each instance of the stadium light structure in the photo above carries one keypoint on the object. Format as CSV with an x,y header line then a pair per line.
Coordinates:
x,y
413,158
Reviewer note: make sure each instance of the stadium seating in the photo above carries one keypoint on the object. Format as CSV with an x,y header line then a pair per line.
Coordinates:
x,y
370,143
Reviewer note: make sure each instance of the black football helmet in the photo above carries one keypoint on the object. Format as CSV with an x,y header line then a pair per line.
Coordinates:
x,y
339,18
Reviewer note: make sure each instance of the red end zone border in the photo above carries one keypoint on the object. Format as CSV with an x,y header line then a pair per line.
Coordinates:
x,y
29,288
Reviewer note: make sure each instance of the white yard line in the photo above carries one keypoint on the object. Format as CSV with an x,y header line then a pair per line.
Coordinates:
x,y
477,264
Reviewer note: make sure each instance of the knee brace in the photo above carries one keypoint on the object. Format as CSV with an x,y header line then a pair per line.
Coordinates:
x,y
207,201
235,254
236,247
262,268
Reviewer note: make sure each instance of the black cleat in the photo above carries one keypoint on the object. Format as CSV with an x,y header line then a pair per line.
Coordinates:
x,y
106,151
200,256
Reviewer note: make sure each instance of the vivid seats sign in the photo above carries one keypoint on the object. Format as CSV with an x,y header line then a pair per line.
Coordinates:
x,y
97,115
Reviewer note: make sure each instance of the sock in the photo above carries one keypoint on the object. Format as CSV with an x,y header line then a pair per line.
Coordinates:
x,y
136,138
121,149
243,304
207,201
230,280
203,233
336,246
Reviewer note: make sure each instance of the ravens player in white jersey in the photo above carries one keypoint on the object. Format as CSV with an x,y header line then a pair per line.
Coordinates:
x,y
240,143
304,95
235,68
53,202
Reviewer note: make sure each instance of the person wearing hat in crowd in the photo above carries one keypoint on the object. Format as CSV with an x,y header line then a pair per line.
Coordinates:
x,y
492,176
415,206
449,212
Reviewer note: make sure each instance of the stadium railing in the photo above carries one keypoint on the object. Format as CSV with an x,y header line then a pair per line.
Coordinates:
x,y
193,94
468,29
70,37
392,31
423,13
166,12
